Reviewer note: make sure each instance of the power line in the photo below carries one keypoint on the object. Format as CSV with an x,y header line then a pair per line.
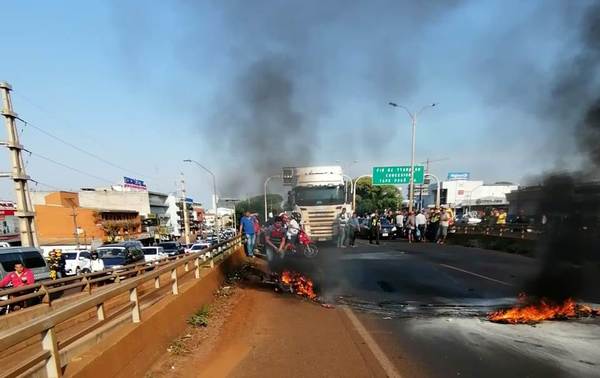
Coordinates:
x,y
67,143
70,167
36,182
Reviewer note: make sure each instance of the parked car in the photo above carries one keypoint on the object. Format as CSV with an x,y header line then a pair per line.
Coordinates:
x,y
118,255
387,229
469,219
172,248
30,257
154,253
4,245
76,262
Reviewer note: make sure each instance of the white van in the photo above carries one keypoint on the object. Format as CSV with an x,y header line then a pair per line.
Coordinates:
x,y
154,253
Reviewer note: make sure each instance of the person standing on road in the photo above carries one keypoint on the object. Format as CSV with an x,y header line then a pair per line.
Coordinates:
x,y
247,227
443,229
501,217
375,226
421,223
353,229
275,240
399,221
411,226
342,221
434,224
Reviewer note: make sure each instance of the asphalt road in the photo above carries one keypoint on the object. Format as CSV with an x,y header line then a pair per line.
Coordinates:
x,y
424,305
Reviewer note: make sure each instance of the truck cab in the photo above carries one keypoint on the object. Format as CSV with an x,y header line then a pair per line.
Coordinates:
x,y
319,194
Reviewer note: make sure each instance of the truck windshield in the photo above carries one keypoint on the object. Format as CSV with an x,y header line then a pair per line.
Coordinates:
x,y
323,195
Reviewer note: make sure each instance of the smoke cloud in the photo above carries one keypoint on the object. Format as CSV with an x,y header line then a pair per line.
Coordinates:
x,y
571,200
291,62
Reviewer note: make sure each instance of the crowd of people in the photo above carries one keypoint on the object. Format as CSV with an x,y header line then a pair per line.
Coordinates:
x,y
416,226
277,232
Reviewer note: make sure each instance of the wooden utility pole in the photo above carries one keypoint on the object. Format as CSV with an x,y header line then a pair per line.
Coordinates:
x,y
24,208
186,218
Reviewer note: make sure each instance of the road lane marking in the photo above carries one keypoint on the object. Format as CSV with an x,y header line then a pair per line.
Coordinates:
x,y
477,275
383,360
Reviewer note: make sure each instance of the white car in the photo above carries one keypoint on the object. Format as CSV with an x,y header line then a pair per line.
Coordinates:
x,y
197,247
77,261
470,219
154,253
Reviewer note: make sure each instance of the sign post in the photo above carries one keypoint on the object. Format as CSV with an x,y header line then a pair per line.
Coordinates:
x,y
397,175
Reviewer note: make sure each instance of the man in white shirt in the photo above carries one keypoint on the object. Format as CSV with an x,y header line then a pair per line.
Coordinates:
x,y
421,222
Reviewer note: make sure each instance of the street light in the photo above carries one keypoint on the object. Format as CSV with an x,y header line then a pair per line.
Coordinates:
x,y
413,116
354,191
214,194
267,183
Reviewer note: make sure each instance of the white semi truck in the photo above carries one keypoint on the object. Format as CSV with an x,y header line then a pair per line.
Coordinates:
x,y
319,194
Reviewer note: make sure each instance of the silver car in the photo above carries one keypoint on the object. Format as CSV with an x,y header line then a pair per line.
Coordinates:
x,y
30,257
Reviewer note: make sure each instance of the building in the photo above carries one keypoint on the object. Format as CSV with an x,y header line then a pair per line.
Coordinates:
x,y
9,223
61,219
469,194
158,219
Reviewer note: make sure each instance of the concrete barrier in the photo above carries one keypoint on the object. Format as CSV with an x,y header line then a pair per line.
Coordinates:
x,y
133,347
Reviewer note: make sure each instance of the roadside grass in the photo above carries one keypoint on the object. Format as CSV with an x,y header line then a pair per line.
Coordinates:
x,y
200,318
178,347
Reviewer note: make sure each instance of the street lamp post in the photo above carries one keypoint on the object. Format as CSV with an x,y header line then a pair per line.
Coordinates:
x,y
413,116
354,190
438,190
266,184
214,194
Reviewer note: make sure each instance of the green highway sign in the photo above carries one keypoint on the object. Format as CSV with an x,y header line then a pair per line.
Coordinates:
x,y
396,175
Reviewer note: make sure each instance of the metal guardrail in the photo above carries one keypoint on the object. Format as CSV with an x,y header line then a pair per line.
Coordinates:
x,y
48,289
45,325
509,230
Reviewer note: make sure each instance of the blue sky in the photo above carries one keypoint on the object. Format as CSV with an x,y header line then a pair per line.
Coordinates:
x,y
146,86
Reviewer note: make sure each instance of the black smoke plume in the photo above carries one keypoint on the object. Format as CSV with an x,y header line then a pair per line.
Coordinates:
x,y
570,201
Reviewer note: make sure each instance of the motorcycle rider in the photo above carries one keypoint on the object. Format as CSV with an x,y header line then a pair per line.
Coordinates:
x,y
294,227
56,264
20,277
96,263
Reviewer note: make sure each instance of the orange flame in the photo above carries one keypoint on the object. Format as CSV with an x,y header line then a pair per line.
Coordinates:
x,y
299,284
530,313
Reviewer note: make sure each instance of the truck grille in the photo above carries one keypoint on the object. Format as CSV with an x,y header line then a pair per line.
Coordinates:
x,y
320,224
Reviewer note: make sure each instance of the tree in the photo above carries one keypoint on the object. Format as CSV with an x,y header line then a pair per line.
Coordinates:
x,y
371,197
256,204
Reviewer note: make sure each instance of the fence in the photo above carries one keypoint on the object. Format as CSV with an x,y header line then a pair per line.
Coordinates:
x,y
137,275
520,231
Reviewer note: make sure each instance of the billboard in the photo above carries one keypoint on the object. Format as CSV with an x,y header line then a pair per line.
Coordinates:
x,y
135,184
459,176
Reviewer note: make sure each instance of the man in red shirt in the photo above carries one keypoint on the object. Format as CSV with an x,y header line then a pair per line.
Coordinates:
x,y
20,277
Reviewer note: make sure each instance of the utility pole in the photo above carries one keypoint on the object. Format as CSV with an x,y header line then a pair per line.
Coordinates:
x,y
423,184
74,215
24,211
186,218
